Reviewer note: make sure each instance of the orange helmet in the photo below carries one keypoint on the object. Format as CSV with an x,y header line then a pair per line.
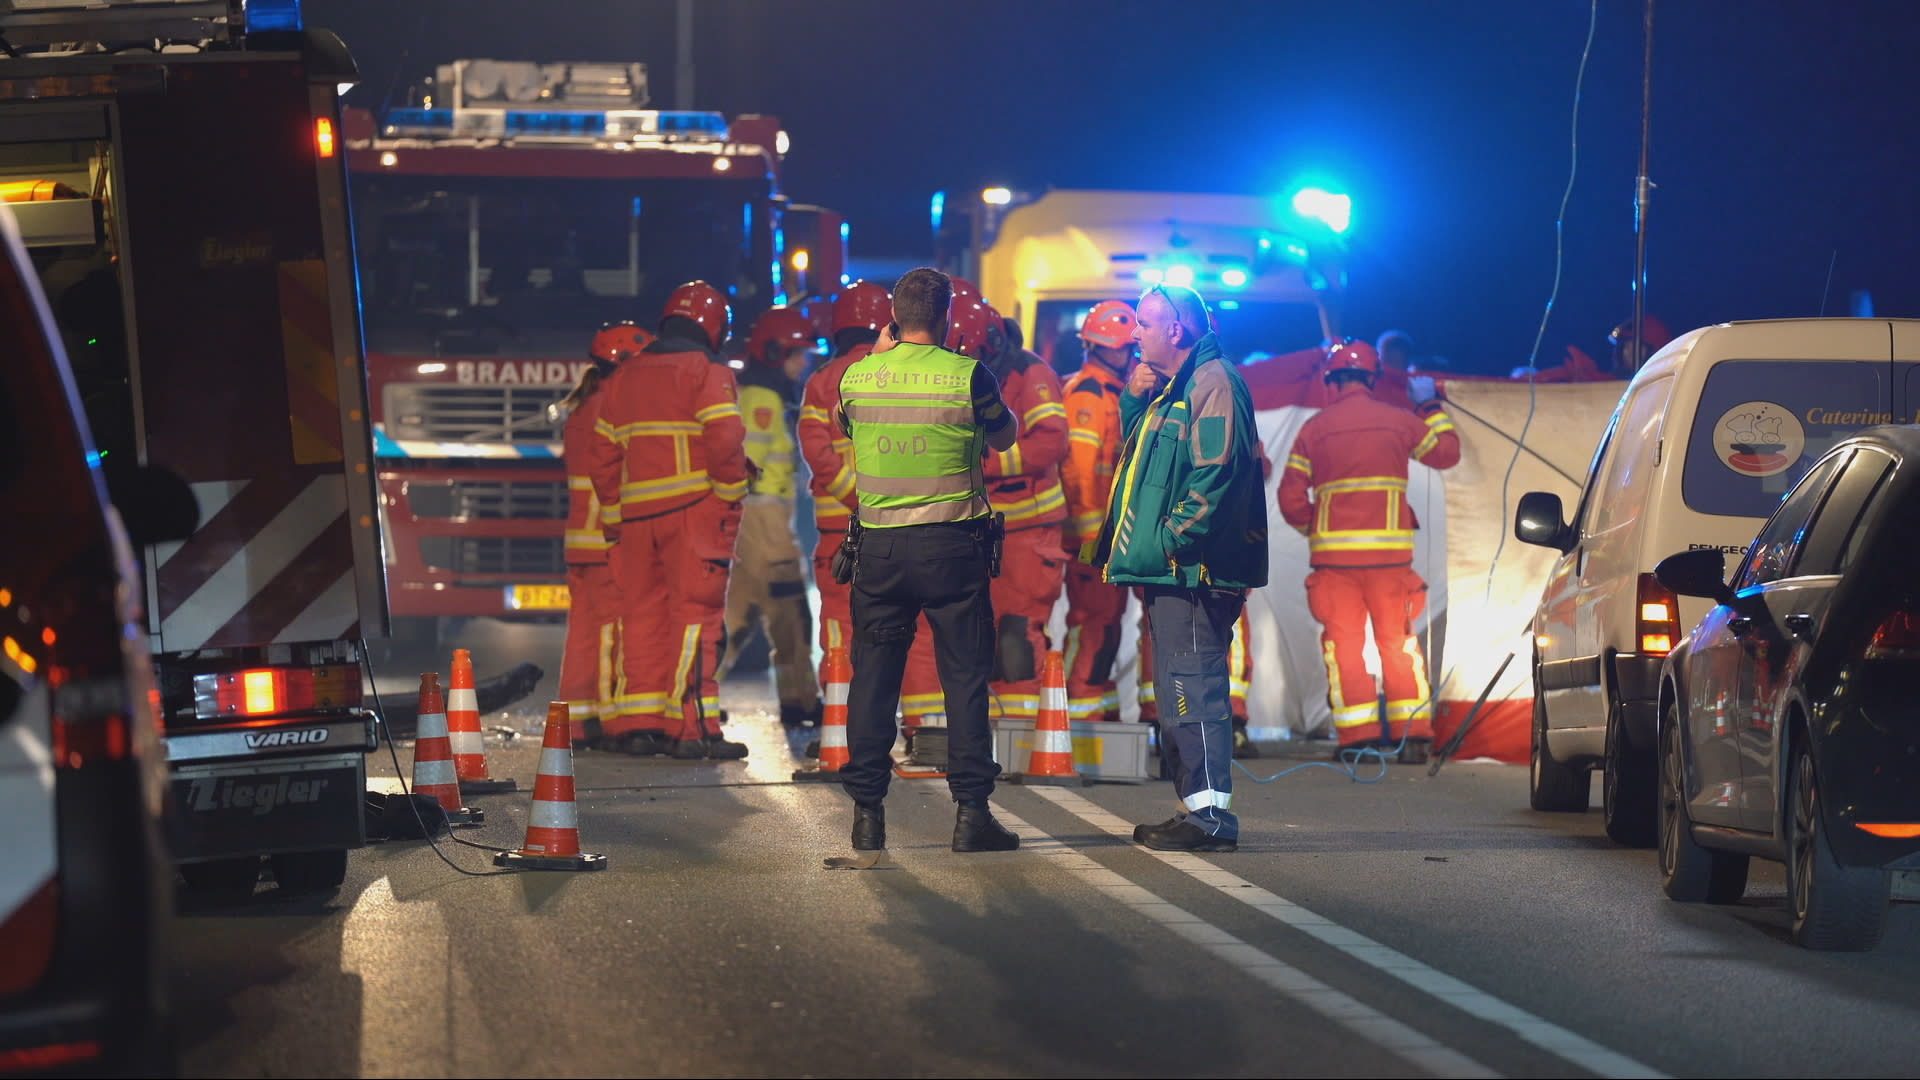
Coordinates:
x,y
1654,330
862,305
1353,356
617,341
783,326
1110,323
967,328
705,305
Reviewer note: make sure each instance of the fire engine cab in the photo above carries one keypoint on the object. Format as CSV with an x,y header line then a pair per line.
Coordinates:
x,y
504,213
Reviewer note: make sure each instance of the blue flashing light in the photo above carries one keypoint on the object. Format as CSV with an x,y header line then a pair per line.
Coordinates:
x,y
939,209
1266,243
1233,277
636,206
1179,275
687,122
1333,210
1228,305
1150,274
93,459
846,230
1295,250
522,122
846,279
434,119
269,15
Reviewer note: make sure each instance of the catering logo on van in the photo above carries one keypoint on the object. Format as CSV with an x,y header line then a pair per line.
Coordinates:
x,y
1758,438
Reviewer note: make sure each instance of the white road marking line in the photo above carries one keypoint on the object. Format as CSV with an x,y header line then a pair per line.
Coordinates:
x,y
1544,1034
1356,1016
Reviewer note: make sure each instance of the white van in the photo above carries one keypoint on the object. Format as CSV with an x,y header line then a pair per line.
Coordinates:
x,y
1707,438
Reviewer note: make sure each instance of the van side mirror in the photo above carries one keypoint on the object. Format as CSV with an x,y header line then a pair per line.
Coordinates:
x,y
1701,572
1541,521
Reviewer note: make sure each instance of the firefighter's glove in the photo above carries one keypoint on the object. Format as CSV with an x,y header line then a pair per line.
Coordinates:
x,y
1422,389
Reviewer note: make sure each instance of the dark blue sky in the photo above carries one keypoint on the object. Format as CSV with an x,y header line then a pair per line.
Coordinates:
x,y
1783,132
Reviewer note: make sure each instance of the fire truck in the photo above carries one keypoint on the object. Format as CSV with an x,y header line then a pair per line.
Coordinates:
x,y
177,177
504,212
1271,270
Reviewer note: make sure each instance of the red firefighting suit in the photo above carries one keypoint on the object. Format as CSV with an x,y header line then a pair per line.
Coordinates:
x,y
668,458
1023,482
828,453
1353,456
590,662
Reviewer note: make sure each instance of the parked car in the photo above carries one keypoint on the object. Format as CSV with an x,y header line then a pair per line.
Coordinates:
x,y
86,888
1788,715
1707,438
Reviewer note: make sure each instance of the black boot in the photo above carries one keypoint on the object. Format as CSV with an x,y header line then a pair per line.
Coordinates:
x,y
974,829
869,827
1176,835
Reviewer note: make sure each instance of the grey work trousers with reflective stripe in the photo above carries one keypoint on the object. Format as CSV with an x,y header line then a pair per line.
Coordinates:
x,y
1192,635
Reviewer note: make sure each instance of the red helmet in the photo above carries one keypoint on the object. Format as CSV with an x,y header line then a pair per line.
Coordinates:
x,y
705,305
1654,330
782,326
967,328
1110,323
862,305
1353,356
618,341
964,289
819,312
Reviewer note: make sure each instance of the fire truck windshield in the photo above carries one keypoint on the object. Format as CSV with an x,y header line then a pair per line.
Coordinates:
x,y
484,264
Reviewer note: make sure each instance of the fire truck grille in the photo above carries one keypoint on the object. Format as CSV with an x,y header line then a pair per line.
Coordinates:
x,y
472,499
533,558
441,413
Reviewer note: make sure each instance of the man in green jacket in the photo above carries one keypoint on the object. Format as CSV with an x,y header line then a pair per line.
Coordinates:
x,y
1188,522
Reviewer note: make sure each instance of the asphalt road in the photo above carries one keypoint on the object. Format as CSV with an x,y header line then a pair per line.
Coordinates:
x,y
1412,927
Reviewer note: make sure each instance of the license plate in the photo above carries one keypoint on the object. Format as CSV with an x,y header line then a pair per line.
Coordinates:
x,y
538,598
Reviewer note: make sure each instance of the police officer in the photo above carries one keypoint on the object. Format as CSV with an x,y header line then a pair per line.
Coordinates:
x,y
920,418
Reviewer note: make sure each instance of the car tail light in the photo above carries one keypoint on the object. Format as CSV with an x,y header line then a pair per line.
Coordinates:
x,y
1657,622
323,136
1896,638
1894,830
274,691
47,1057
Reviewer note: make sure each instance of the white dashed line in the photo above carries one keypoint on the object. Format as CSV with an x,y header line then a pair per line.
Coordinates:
x,y
1363,1020
1544,1034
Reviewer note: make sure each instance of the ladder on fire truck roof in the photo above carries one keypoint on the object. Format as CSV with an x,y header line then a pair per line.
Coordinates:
x,y
63,27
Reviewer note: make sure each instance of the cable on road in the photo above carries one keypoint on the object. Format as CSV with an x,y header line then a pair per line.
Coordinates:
x,y
380,714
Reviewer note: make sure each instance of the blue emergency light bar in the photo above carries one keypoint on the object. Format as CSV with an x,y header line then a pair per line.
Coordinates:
x,y
269,15
557,123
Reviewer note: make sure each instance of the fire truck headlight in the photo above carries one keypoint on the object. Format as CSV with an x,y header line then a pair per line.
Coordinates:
x,y
996,196
782,144
1179,275
1233,278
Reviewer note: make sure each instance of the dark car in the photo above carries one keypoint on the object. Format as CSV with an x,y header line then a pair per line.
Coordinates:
x,y
1788,717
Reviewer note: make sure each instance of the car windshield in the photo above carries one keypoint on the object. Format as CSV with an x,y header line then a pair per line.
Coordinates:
x,y
530,261
1246,327
1761,424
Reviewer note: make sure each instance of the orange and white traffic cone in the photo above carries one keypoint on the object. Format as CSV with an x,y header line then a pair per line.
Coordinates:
x,y
1052,758
433,774
833,719
553,826
463,728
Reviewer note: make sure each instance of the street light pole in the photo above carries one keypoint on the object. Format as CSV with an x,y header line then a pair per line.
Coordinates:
x,y
1640,191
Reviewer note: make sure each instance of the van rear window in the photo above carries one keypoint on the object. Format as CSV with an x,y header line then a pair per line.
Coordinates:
x,y
1762,423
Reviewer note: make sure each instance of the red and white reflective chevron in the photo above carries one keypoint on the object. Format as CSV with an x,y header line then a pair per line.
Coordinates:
x,y
271,562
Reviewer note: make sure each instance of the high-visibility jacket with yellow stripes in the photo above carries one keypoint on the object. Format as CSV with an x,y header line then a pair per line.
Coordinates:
x,y
765,398
826,449
918,435
1023,481
1094,440
669,434
1352,456
585,542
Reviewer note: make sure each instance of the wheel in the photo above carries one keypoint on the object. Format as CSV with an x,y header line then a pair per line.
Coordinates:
x,y
1842,908
310,871
1690,873
1627,796
228,878
1550,784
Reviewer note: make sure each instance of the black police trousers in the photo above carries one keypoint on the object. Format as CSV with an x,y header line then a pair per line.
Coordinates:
x,y
940,570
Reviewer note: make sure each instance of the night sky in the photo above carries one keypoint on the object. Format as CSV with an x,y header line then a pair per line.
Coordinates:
x,y
1784,133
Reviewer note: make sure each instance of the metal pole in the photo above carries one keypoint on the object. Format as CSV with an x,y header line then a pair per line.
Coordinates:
x,y
1641,186
683,54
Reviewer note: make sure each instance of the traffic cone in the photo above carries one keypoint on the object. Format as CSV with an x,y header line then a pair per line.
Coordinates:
x,y
553,826
463,727
833,719
1052,758
433,774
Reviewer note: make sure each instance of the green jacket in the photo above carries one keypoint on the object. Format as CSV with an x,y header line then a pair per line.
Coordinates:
x,y
1189,504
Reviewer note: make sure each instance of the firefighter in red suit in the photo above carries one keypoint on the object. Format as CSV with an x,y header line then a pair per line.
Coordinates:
x,y
1345,489
590,662
668,460
858,314
1094,441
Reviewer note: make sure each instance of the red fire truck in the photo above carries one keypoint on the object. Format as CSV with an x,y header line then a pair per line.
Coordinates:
x,y
503,213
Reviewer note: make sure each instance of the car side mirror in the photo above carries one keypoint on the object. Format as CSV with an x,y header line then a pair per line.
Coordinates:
x,y
1540,520
1701,572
